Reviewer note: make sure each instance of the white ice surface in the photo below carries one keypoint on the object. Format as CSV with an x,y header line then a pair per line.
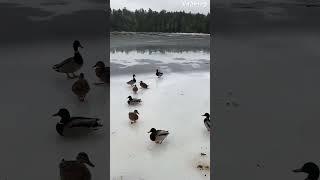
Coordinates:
x,y
175,103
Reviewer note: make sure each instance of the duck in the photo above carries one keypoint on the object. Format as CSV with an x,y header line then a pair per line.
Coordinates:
x,y
135,89
133,101
311,169
158,135
81,87
76,169
67,121
143,85
72,64
133,116
132,81
207,121
102,72
158,73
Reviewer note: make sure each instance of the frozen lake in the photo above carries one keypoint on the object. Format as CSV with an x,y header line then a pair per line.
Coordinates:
x,y
30,93
275,79
174,102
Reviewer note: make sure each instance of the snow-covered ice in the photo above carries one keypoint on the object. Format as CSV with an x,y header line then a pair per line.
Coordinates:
x,y
174,102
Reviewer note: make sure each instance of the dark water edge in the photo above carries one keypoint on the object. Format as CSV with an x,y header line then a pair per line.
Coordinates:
x,y
119,69
148,42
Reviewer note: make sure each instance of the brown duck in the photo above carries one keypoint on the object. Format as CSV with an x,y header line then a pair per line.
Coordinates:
x,y
102,72
133,116
135,89
76,169
81,87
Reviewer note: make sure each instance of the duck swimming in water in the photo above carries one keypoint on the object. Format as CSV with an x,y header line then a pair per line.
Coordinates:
x,y
135,89
81,87
207,121
311,169
143,85
72,64
102,72
158,73
76,169
133,101
71,122
158,135
133,116
132,81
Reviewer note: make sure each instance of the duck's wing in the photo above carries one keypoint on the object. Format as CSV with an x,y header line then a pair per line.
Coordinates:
x,y
83,122
81,87
69,60
162,133
130,82
207,123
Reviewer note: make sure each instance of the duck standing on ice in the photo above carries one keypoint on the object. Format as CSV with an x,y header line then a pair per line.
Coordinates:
x,y
311,169
135,89
72,64
207,121
133,116
81,87
133,101
102,72
158,73
158,135
76,169
71,122
132,81
143,85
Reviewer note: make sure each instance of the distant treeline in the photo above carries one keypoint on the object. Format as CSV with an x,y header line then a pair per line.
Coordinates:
x,y
152,21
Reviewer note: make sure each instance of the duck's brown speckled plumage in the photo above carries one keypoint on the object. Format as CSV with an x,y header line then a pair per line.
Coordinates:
x,y
133,116
102,72
81,87
76,170
135,88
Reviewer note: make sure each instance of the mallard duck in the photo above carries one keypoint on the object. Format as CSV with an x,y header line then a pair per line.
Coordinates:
x,y
158,135
133,116
71,122
311,169
133,101
81,87
143,85
72,64
76,169
132,81
135,89
207,121
158,73
102,72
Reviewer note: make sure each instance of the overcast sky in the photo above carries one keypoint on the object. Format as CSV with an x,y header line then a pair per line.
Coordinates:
x,y
195,6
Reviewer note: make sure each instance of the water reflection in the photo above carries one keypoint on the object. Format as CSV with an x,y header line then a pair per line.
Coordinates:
x,y
145,52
